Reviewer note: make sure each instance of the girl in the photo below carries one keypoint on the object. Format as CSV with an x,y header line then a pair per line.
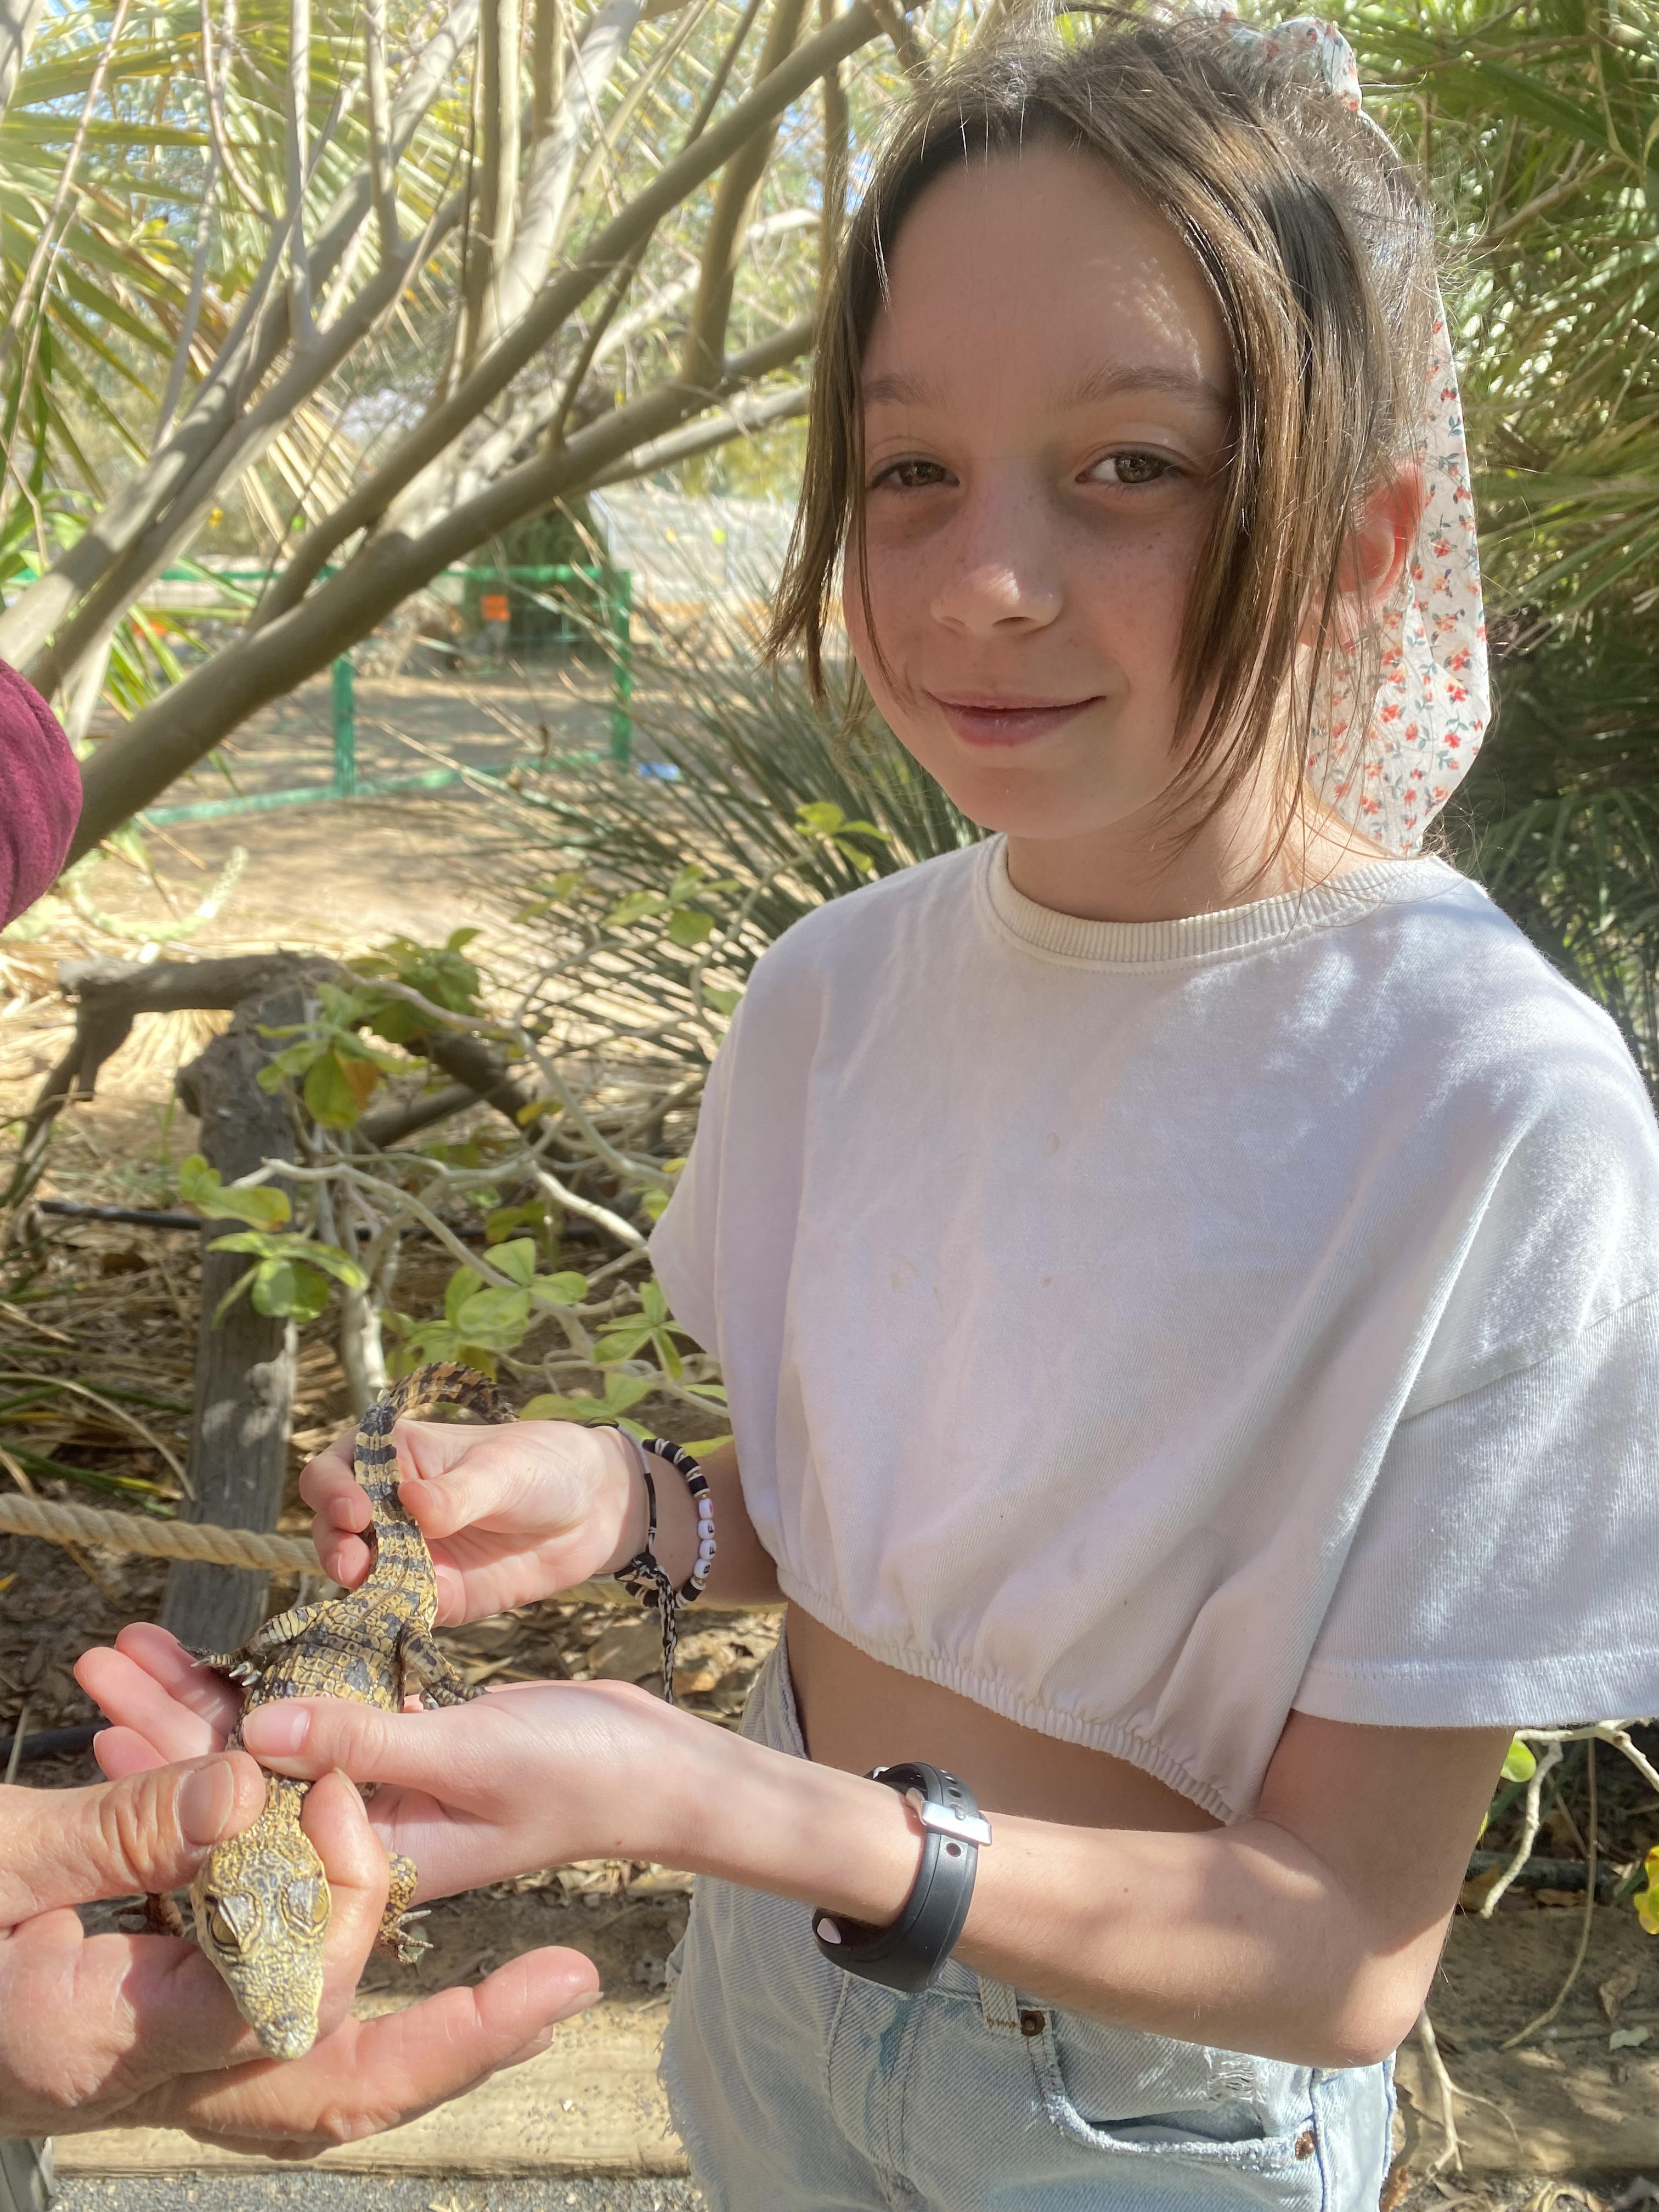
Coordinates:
x,y
1184,1269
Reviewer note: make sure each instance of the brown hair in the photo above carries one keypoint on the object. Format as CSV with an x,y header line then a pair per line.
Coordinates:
x,y
1318,247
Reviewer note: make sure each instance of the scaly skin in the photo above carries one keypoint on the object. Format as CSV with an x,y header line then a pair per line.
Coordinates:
x,y
261,1901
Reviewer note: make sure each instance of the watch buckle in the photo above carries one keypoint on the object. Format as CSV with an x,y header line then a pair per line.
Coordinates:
x,y
945,1820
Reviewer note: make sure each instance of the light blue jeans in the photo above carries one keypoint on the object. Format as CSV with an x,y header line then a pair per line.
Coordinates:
x,y
796,2087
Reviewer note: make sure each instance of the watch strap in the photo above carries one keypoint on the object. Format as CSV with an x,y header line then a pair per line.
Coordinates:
x,y
908,1954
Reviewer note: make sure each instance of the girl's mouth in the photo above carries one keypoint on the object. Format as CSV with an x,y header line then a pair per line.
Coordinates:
x,y
984,718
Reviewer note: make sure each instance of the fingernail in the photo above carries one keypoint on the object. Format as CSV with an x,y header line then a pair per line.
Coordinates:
x,y
206,1800
275,1729
543,2040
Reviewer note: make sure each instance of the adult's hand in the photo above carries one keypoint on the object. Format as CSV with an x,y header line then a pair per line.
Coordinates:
x,y
139,2031
510,1513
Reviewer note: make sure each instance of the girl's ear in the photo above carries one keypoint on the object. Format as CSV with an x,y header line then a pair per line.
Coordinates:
x,y
1380,546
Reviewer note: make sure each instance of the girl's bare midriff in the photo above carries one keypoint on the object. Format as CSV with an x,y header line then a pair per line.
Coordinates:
x,y
857,1713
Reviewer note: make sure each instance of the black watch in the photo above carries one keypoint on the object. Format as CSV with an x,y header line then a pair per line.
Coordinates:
x,y
907,1956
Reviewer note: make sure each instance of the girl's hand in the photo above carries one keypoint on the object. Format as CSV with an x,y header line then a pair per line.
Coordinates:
x,y
510,1515
533,1776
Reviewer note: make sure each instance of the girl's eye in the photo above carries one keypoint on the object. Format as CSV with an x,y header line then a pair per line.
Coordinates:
x,y
913,475
1130,469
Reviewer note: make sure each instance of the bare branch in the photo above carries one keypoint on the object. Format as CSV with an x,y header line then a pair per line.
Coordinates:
x,y
161,742
705,342
491,236
742,420
547,194
560,299
565,398
384,188
249,436
299,166
257,336
650,313
728,62
546,65
837,130
906,44
205,212
215,79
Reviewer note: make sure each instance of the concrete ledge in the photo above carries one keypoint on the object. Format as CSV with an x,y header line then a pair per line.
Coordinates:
x,y
591,2104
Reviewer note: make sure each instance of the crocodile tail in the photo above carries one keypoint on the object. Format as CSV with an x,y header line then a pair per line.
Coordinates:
x,y
445,1383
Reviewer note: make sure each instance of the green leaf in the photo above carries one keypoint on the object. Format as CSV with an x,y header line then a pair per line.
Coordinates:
x,y
300,1250
501,1224
621,1391
688,926
288,1289
1519,1764
463,1284
721,1000
634,907
337,1088
516,1261
622,1343
820,816
495,1317
203,1187
654,1203
567,1289
653,1304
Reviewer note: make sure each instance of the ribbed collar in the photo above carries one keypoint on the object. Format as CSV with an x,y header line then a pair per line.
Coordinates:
x,y
1233,930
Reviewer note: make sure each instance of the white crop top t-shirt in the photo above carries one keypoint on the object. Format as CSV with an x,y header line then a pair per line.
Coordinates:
x,y
1145,1329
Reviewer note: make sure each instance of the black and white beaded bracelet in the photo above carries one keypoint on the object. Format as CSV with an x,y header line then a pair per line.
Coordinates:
x,y
644,1577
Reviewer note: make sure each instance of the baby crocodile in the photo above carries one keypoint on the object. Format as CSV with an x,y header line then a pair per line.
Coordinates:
x,y
262,1902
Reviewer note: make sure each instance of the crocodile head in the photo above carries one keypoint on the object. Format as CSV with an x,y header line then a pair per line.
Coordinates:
x,y
262,1913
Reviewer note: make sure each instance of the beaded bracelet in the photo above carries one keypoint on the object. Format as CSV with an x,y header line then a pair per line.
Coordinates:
x,y
643,1577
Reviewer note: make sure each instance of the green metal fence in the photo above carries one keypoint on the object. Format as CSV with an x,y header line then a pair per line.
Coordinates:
x,y
612,589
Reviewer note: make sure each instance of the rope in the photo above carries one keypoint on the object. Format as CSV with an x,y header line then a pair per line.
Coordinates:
x,y
199,1539
158,1539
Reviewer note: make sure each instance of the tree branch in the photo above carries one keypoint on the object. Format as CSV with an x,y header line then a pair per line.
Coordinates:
x,y
299,167
165,740
251,434
547,194
837,129
559,300
250,348
384,188
760,414
705,342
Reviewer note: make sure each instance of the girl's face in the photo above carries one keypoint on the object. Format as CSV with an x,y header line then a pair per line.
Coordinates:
x,y
1048,407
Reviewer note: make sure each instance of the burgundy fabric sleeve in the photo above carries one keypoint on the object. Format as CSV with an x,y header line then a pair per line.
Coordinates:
x,y
39,795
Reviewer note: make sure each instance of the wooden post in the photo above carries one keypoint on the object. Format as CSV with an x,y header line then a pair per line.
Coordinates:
x,y
238,1461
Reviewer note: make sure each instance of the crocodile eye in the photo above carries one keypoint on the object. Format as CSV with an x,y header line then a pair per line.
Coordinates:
x,y
222,1930
305,1904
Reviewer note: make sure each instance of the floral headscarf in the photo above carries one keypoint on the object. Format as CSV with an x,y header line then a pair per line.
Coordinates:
x,y
1389,776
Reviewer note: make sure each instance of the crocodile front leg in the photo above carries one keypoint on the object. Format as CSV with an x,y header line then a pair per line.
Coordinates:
x,y
248,1663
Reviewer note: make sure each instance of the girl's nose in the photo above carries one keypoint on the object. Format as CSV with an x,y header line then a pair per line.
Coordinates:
x,y
1001,573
